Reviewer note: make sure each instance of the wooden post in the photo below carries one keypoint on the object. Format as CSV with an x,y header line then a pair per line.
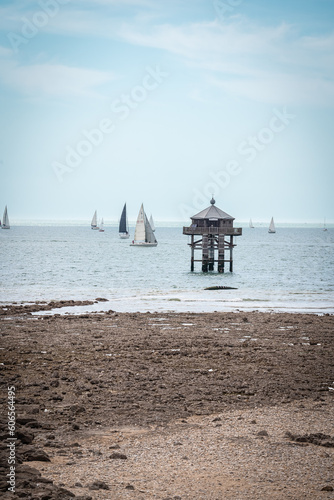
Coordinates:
x,y
205,255
231,254
211,253
221,253
192,253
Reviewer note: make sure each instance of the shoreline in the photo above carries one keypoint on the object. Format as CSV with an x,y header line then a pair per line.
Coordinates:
x,y
199,404
102,305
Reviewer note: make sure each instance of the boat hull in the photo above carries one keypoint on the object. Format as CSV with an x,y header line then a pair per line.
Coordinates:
x,y
124,236
271,232
143,244
5,227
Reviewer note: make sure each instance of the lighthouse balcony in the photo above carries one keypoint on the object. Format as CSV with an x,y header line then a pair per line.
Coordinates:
x,y
230,231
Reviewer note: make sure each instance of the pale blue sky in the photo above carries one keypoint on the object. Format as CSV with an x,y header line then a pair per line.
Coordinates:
x,y
192,97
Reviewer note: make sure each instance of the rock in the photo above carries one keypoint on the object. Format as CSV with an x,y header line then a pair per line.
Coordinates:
x,y
263,433
98,485
114,447
116,455
327,488
25,437
31,454
318,439
129,487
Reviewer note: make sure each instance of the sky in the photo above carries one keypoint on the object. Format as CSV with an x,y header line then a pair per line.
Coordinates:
x,y
167,102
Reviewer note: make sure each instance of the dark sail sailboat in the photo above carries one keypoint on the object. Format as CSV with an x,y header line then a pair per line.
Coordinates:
x,y
124,225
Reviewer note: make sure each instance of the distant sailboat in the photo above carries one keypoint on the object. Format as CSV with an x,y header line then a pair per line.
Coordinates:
x,y
152,223
93,224
251,224
101,228
272,228
144,236
124,225
5,220
325,228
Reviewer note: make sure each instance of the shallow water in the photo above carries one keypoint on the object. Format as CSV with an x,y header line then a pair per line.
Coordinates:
x,y
290,270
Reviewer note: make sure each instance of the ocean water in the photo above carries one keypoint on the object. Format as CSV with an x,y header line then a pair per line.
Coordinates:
x,y
292,270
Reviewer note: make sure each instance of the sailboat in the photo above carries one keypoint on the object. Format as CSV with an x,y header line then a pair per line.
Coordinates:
x,y
93,224
272,228
251,224
325,228
5,220
124,225
152,223
144,236
101,228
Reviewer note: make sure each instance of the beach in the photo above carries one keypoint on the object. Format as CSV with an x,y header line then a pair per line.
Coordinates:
x,y
171,405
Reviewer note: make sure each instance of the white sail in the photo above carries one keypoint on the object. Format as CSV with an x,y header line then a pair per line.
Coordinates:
x,y
5,219
152,223
149,234
251,223
272,228
94,221
144,235
140,226
101,228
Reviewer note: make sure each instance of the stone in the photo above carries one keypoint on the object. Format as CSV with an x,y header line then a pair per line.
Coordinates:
x,y
327,488
116,455
98,485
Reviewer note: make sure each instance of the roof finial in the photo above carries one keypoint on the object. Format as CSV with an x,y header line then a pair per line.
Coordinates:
x,y
213,201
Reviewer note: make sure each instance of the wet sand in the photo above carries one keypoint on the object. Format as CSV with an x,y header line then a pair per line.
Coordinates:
x,y
199,404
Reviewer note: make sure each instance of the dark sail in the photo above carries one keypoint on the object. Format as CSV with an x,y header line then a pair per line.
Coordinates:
x,y
123,222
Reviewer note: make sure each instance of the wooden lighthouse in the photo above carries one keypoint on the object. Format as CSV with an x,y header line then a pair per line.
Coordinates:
x,y
215,232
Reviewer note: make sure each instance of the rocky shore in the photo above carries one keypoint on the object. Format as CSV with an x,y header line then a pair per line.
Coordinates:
x,y
169,406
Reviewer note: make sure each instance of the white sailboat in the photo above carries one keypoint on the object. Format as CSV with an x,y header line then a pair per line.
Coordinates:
x,y
101,228
123,229
144,236
272,228
251,224
93,224
152,223
325,228
5,219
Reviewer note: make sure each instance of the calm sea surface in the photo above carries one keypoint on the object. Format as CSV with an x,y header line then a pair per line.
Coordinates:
x,y
292,270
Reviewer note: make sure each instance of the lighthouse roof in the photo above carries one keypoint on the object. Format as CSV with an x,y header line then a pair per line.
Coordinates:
x,y
213,213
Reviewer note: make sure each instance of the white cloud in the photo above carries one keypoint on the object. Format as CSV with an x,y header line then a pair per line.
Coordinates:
x,y
260,63
53,79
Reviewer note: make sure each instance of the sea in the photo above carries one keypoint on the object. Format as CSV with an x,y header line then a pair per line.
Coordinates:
x,y
291,270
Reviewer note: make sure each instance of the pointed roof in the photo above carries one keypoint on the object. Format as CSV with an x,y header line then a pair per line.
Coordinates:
x,y
212,212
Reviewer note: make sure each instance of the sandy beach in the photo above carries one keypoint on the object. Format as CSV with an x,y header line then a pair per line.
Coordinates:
x,y
169,406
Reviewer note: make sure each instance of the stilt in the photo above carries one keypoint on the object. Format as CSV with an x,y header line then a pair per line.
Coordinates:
x,y
221,253
231,254
211,253
205,253
192,253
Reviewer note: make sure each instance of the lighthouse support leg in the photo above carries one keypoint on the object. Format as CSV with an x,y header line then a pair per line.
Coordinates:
x,y
231,254
221,254
205,255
